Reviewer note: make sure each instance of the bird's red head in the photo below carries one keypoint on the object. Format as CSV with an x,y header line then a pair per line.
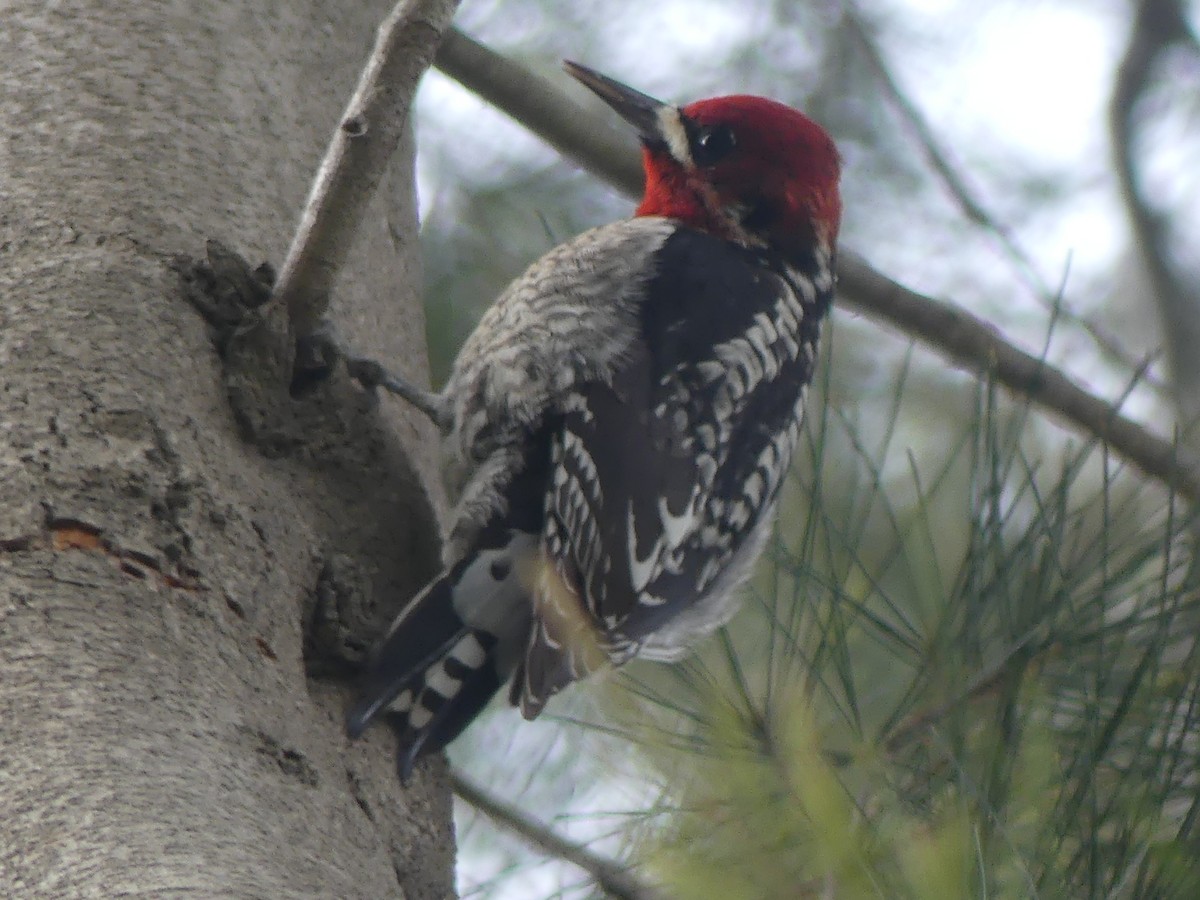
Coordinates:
x,y
750,169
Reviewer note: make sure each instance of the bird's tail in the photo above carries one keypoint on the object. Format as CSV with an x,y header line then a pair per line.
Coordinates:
x,y
447,654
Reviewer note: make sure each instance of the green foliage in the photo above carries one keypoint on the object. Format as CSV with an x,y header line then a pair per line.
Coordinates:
x,y
973,675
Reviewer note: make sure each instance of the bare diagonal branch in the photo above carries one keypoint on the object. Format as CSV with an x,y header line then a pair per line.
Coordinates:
x,y
610,877
975,345
544,108
363,143
968,202
960,337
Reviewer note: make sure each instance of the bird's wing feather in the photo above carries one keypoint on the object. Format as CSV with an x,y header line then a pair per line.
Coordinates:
x,y
661,475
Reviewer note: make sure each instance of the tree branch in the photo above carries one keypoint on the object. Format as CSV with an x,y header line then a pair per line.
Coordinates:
x,y
957,335
585,133
969,205
975,345
363,143
1158,25
610,877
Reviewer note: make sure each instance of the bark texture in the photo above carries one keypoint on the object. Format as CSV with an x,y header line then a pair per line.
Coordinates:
x,y
163,728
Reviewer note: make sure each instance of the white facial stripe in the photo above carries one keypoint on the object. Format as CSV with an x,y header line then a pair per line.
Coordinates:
x,y
670,124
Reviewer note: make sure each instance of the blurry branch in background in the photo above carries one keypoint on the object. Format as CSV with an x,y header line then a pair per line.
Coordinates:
x,y
545,109
951,331
612,878
363,143
969,204
1158,27
974,344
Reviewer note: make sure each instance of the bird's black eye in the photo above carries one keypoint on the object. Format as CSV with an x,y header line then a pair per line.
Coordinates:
x,y
713,144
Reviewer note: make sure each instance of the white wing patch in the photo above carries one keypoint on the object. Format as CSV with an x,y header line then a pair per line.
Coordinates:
x,y
641,571
678,528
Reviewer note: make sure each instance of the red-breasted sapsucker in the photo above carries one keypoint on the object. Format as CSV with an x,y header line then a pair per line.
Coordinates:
x,y
626,411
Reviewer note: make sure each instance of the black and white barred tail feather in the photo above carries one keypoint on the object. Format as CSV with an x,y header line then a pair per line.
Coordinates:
x,y
448,652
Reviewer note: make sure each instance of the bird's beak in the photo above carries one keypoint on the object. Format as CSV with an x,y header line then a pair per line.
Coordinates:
x,y
639,110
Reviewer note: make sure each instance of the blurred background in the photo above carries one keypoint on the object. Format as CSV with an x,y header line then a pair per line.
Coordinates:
x,y
967,667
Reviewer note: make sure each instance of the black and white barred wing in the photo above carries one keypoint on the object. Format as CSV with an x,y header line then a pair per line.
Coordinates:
x,y
664,480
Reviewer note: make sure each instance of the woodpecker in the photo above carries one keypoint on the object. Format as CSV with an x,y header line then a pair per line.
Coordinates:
x,y
625,414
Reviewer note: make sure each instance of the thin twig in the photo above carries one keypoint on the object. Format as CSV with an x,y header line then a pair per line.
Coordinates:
x,y
919,721
363,143
964,339
971,207
613,879
1158,25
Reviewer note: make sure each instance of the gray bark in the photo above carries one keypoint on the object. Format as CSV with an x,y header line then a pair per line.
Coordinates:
x,y
160,549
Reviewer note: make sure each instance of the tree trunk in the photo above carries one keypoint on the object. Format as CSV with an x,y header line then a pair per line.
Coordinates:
x,y
161,728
